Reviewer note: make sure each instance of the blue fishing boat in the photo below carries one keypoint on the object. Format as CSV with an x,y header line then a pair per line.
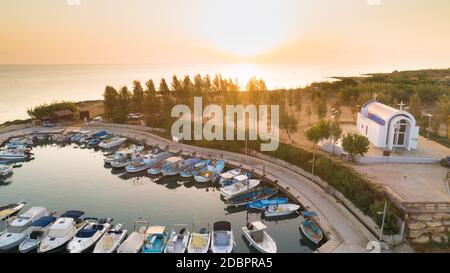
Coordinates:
x,y
188,165
252,196
200,167
210,172
262,204
156,240
310,228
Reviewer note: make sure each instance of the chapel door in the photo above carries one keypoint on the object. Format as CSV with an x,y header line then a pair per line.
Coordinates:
x,y
400,133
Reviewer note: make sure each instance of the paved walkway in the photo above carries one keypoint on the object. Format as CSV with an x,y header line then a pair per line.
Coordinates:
x,y
346,233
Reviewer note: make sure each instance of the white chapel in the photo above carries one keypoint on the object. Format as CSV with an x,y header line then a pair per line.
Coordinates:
x,y
387,127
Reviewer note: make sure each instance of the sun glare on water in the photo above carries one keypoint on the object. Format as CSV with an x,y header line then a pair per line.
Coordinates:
x,y
247,28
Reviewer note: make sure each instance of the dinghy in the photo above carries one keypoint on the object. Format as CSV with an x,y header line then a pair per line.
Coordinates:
x,y
199,241
257,236
111,240
62,231
5,170
88,236
178,239
16,231
245,198
38,230
134,242
262,204
309,227
222,238
10,209
156,239
280,210
242,184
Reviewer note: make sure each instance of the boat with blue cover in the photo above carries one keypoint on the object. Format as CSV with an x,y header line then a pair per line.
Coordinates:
x,y
262,204
38,230
88,236
309,228
156,240
251,196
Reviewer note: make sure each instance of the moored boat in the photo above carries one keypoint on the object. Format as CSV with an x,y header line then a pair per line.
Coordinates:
x,y
222,240
171,166
187,166
88,236
251,196
309,228
5,170
156,239
199,241
280,210
111,240
13,155
9,210
257,236
112,142
134,242
178,239
147,162
38,230
262,204
241,185
226,178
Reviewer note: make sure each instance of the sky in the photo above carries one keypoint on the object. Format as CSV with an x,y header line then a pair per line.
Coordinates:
x,y
320,33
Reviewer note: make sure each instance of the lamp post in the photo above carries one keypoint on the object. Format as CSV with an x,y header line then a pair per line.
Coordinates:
x,y
312,168
382,222
429,116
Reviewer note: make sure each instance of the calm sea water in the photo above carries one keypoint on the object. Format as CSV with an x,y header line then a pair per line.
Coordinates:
x,y
66,178
25,86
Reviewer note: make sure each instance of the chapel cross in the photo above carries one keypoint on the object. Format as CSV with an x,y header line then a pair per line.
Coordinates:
x,y
401,105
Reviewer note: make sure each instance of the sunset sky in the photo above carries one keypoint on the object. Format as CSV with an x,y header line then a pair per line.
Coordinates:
x,y
347,33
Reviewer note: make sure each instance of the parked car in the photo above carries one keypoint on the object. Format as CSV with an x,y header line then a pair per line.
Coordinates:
x,y
445,161
48,124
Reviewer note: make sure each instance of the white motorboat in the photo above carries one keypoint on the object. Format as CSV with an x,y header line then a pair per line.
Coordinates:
x,y
126,157
134,242
199,241
226,178
10,209
171,166
257,236
280,210
16,231
15,155
5,170
147,162
222,240
62,231
38,230
112,142
88,236
111,240
178,239
241,185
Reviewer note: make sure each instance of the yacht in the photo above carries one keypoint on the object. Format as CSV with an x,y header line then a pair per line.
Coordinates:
x,y
88,236
62,231
16,231
38,230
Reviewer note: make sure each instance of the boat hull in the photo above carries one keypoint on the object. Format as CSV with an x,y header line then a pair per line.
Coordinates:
x,y
268,246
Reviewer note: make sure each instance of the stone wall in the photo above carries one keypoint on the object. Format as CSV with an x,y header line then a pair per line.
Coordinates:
x,y
427,228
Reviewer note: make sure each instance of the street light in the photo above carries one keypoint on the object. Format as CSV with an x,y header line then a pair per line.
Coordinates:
x,y
312,168
429,116
382,222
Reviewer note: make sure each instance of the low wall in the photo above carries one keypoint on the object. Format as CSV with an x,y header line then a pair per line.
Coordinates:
x,y
425,228
14,127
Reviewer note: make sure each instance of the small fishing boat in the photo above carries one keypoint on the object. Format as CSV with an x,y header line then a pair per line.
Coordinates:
x,y
10,209
156,239
171,166
217,167
222,238
88,236
226,178
199,241
13,155
134,242
38,230
111,240
309,228
200,167
241,185
280,210
147,162
178,239
112,142
257,236
262,204
204,177
62,231
155,170
5,170
251,196
187,166
17,230
124,158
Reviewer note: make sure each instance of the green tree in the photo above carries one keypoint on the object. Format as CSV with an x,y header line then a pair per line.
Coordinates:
x,y
308,112
335,132
163,87
289,124
150,87
415,107
355,144
110,101
138,96
320,130
321,107
443,107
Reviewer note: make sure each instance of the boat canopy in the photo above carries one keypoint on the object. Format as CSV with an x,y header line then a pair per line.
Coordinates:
x,y
258,225
75,214
88,232
222,225
240,178
44,221
174,159
310,214
155,230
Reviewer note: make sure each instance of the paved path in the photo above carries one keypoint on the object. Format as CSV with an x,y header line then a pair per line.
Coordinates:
x,y
345,232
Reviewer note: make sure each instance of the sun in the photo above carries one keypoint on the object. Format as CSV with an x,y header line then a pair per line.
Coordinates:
x,y
246,28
